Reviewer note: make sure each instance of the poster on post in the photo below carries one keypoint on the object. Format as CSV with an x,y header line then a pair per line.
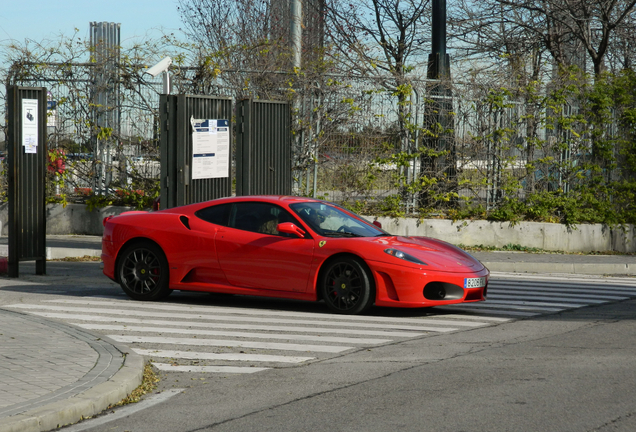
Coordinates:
x,y
210,148
30,125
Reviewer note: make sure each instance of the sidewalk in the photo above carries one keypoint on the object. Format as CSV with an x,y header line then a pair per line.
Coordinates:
x,y
52,374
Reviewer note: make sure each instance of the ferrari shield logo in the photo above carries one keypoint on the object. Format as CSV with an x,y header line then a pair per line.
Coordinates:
x,y
322,243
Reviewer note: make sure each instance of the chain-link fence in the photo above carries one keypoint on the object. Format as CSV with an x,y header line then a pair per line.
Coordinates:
x,y
356,142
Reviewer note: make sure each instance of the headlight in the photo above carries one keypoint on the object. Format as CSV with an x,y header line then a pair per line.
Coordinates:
x,y
402,255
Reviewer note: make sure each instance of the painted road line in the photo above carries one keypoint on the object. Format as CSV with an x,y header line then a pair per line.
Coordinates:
x,y
533,303
208,369
231,343
555,294
191,355
559,289
340,320
234,326
466,307
543,298
499,276
125,411
488,305
469,317
216,317
544,285
332,339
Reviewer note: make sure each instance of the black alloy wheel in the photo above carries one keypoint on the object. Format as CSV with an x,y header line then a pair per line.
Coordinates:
x,y
347,286
143,272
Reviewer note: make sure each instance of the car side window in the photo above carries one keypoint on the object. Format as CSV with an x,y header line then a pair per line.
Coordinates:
x,y
218,214
259,217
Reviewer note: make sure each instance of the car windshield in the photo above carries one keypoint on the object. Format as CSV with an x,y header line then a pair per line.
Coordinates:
x,y
330,221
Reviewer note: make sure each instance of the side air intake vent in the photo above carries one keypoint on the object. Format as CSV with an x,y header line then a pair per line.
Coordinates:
x,y
185,221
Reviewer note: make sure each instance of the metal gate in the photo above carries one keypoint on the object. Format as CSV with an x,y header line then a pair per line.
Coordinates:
x,y
263,148
27,157
177,186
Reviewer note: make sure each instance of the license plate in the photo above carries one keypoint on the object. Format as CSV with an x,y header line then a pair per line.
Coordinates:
x,y
475,282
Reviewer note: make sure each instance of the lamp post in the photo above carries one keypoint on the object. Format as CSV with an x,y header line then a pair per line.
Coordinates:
x,y
438,60
440,120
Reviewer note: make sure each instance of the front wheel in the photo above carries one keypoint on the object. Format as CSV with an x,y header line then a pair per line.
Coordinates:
x,y
347,286
143,272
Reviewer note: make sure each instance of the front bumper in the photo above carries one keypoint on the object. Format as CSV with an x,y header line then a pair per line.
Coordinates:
x,y
400,286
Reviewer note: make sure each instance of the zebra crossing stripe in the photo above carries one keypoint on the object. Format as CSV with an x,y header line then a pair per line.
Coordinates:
x,y
230,343
453,316
533,303
560,289
208,369
341,320
597,287
118,319
217,317
542,298
553,295
190,355
333,339
507,276
467,307
488,305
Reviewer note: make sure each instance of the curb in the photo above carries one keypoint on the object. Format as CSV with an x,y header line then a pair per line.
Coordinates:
x,y
569,268
60,253
88,403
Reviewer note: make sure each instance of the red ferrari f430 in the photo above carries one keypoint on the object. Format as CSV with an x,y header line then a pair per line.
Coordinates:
x,y
286,247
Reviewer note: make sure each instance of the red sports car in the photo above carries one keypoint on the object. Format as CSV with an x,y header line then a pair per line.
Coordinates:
x,y
284,246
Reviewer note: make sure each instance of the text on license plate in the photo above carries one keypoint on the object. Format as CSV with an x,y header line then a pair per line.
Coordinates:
x,y
475,282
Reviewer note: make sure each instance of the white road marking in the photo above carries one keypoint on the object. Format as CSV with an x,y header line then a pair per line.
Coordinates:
x,y
118,319
488,305
499,276
559,289
535,297
233,334
336,319
208,369
471,317
466,307
215,317
124,411
191,355
533,303
230,343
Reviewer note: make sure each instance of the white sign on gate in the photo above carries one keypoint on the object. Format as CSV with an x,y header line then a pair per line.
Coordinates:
x,y
210,149
30,125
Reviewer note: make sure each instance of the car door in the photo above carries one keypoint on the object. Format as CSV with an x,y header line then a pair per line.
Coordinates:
x,y
253,254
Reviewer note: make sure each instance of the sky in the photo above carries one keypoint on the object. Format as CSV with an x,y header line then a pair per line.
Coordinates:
x,y
46,19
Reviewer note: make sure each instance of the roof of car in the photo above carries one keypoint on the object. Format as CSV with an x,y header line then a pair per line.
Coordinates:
x,y
288,199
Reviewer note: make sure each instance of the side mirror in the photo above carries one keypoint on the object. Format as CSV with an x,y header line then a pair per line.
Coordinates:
x,y
290,228
378,224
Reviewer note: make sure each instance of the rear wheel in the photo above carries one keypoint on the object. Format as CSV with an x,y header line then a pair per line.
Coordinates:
x,y
347,286
143,272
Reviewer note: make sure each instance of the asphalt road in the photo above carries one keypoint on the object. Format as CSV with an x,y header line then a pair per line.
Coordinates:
x,y
559,369
573,371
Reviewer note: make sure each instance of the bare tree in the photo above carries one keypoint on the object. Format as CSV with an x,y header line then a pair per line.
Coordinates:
x,y
565,28
246,38
488,33
383,40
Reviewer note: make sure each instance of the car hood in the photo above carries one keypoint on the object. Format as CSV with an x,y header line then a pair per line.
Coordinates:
x,y
435,253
